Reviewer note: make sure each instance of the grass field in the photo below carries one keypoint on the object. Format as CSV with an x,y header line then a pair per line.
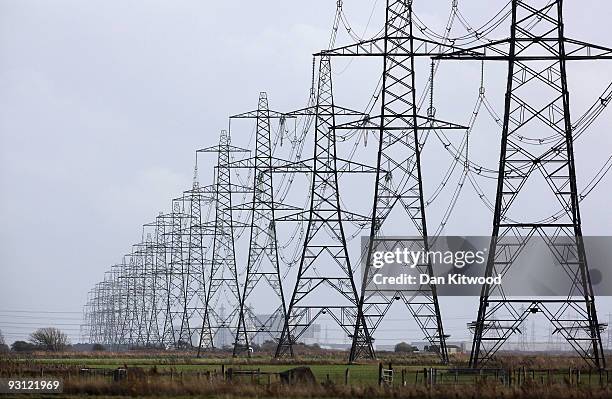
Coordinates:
x,y
176,374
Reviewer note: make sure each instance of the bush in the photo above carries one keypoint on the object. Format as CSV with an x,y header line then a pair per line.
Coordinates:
x,y
22,346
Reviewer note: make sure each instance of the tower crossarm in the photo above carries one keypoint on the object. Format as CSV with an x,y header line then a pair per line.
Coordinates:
x,y
422,123
338,111
253,115
277,165
499,50
376,48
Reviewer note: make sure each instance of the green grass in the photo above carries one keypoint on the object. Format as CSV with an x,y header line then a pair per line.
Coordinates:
x,y
367,373
360,374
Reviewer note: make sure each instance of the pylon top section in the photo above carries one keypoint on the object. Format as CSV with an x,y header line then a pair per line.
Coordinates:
x,y
528,43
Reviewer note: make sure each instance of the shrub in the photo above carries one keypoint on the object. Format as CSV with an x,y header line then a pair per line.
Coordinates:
x,y
22,346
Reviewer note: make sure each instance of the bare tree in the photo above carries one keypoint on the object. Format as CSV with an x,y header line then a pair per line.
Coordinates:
x,y
2,342
50,338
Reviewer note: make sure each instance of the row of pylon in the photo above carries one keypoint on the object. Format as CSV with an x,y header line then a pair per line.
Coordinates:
x,y
181,286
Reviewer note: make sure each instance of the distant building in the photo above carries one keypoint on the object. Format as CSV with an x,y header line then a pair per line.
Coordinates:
x,y
312,334
452,347
341,347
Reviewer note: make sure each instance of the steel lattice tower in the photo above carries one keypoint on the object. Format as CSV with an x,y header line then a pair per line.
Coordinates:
x,y
193,269
195,286
129,276
115,305
107,309
157,279
222,285
134,271
263,259
163,278
169,249
138,273
147,250
324,265
94,319
121,298
178,276
537,100
398,179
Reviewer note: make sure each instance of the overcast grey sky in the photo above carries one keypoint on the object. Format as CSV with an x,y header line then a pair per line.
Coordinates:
x,y
102,104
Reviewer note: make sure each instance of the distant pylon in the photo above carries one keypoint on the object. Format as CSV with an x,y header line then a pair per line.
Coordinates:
x,y
131,279
160,280
150,277
537,104
223,288
160,320
398,180
115,305
176,278
194,266
324,265
124,297
263,258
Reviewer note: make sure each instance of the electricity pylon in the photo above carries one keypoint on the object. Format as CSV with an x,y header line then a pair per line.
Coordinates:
x,y
160,314
193,270
222,286
263,258
537,101
398,179
149,279
115,305
158,279
176,278
131,280
325,283
124,298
